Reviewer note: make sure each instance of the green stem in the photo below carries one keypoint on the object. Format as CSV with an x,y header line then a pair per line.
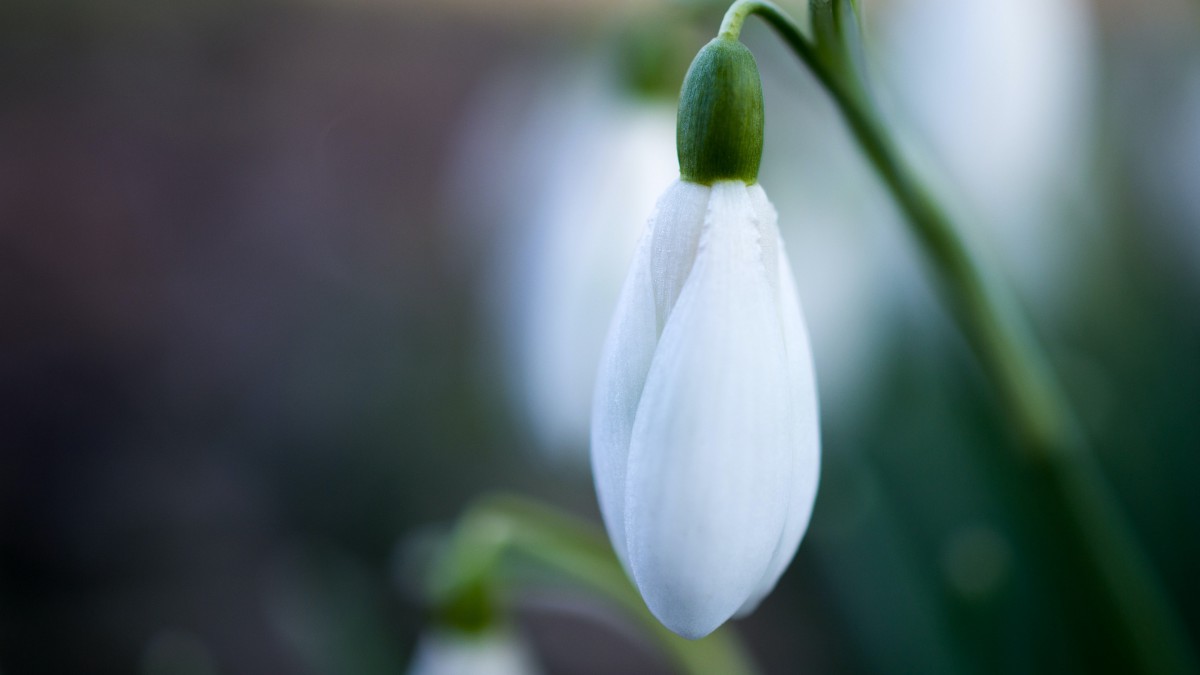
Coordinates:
x,y
498,526
1000,337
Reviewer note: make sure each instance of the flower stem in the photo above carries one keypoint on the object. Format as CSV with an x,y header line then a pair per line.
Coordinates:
x,y
500,525
999,335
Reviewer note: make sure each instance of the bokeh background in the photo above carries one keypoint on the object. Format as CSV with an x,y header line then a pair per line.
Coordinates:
x,y
284,286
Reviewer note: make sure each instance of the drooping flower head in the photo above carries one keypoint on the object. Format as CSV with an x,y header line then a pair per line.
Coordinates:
x,y
705,443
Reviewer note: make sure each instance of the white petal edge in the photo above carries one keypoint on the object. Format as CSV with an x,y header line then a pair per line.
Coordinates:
x,y
628,349
712,444
806,465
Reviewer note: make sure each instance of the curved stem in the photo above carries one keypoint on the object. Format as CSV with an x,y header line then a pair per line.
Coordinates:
x,y
735,16
500,525
1000,337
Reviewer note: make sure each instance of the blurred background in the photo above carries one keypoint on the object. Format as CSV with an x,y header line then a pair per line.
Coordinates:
x,y
285,285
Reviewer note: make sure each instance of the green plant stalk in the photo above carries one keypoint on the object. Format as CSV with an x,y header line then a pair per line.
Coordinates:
x,y
999,335
499,526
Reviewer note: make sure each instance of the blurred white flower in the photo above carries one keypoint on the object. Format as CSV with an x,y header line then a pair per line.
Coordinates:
x,y
850,256
490,652
1166,154
705,441
1000,92
587,161
1179,144
996,93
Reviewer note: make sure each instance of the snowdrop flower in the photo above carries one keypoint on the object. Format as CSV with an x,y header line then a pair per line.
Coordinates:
x,y
490,652
565,272
564,172
705,443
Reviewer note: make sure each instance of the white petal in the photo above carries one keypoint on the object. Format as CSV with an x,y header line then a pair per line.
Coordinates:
x,y
628,349
712,444
674,240
806,456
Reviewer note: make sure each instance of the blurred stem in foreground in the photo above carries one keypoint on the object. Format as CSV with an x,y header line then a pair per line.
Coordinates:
x,y
473,569
998,333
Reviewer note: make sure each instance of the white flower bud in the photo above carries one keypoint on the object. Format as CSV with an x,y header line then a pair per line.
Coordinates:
x,y
705,442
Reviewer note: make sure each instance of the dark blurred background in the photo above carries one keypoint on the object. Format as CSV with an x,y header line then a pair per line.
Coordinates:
x,y
281,293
